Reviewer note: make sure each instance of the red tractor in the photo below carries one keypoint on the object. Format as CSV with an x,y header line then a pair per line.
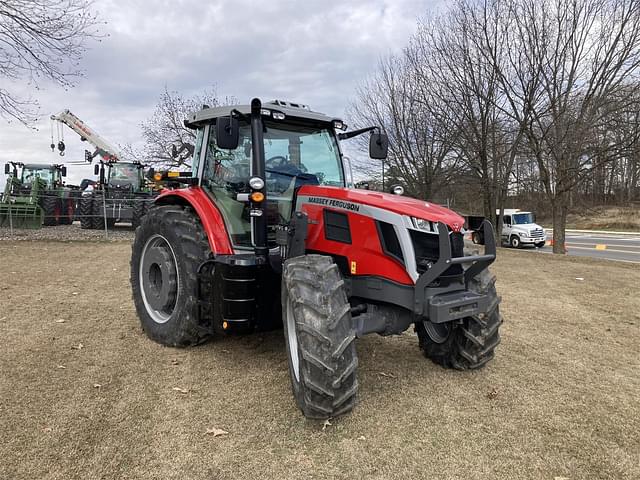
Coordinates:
x,y
267,232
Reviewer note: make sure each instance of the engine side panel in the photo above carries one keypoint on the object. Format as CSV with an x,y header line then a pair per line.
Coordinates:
x,y
365,255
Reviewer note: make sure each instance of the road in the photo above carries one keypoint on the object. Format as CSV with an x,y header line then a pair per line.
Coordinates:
x,y
624,248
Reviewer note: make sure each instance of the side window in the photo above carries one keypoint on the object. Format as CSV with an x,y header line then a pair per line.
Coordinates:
x,y
226,174
313,153
507,219
197,150
228,168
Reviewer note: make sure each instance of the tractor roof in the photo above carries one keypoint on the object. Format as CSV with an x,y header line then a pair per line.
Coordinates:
x,y
289,109
38,166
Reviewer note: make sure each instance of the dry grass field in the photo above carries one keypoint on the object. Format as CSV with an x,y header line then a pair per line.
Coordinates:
x,y
85,395
606,218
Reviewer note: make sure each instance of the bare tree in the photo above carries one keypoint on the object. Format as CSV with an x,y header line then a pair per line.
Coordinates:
x,y
590,48
41,40
167,141
420,147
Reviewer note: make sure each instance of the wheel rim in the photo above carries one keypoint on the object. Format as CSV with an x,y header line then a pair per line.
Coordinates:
x,y
159,279
438,332
293,341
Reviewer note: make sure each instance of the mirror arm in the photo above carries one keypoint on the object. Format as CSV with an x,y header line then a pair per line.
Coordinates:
x,y
355,133
239,114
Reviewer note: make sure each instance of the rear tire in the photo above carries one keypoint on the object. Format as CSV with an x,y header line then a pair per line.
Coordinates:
x,y
68,211
320,337
169,246
470,344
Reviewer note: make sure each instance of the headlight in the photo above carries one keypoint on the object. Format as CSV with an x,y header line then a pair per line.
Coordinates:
x,y
523,234
424,225
256,183
397,190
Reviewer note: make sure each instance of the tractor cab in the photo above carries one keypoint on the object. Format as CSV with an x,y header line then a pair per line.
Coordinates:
x,y
23,176
121,176
295,154
255,172
51,176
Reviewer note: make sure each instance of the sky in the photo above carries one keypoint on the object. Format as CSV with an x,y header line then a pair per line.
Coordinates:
x,y
311,52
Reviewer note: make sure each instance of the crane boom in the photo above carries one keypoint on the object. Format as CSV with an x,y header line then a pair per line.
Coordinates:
x,y
103,148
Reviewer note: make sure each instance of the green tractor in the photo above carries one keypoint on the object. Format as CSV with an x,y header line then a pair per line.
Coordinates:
x,y
121,194
35,194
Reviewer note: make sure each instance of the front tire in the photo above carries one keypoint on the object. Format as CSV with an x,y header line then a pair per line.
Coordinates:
x,y
514,241
169,246
470,344
320,337
86,212
52,210
140,207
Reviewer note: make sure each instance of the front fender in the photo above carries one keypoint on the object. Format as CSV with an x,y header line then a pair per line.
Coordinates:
x,y
210,216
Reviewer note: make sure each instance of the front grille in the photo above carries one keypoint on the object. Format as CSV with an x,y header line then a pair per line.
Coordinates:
x,y
427,250
536,233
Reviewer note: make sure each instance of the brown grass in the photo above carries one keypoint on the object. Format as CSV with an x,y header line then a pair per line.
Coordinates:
x,y
606,218
561,398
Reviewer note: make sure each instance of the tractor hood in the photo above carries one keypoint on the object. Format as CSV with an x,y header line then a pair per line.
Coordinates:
x,y
351,198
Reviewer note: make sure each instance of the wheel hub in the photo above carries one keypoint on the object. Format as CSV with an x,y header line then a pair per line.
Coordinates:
x,y
159,278
438,332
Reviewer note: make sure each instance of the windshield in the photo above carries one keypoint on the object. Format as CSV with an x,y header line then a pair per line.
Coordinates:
x,y
30,174
523,218
123,172
294,156
297,150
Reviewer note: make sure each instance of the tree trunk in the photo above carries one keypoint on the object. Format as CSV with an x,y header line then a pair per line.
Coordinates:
x,y
559,213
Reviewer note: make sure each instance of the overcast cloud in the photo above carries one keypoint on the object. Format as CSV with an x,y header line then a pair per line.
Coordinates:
x,y
313,52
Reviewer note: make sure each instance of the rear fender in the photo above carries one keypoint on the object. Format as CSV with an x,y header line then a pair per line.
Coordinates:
x,y
210,216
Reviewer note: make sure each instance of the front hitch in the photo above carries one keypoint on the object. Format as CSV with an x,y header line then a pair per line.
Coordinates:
x,y
422,306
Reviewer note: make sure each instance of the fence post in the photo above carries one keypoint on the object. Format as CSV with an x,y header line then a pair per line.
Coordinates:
x,y
104,211
10,221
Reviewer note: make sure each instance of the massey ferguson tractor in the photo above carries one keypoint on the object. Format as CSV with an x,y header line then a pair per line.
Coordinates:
x,y
266,232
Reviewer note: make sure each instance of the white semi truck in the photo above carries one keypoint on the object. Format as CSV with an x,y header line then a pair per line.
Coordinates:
x,y
518,229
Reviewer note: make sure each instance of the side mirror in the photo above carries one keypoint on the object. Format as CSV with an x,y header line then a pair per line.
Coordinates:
x,y
63,171
227,133
378,146
96,169
7,169
150,173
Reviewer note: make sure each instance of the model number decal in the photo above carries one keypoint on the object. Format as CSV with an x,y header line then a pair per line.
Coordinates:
x,y
331,202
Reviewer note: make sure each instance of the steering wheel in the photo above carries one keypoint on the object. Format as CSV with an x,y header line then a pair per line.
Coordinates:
x,y
281,165
276,162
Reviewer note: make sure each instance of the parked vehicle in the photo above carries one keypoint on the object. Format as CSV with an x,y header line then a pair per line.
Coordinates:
x,y
519,228
266,232
121,193
36,194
